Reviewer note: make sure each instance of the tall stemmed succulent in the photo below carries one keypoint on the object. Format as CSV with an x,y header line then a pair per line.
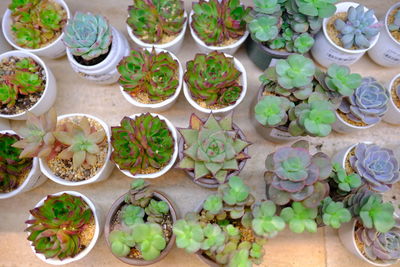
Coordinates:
x,y
152,20
216,22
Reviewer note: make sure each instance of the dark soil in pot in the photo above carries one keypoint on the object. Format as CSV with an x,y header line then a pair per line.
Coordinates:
x,y
93,61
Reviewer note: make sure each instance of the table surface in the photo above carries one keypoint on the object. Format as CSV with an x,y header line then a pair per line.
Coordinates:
x,y
78,95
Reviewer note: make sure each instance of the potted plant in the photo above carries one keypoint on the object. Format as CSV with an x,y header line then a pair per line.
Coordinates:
x,y
212,150
347,35
280,28
218,25
26,85
214,82
94,47
151,78
36,26
144,145
386,52
159,24
63,227
392,115
139,225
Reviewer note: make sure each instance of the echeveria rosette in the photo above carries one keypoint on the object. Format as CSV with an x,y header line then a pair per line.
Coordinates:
x,y
149,239
272,111
377,166
189,235
88,36
339,80
264,28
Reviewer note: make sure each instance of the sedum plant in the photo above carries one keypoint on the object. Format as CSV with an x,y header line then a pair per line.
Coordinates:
x,y
214,148
344,182
271,110
131,215
149,239
334,213
265,222
151,73
300,218
56,228
153,20
216,22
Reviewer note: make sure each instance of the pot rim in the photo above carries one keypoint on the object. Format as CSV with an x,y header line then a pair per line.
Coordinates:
x,y
390,88
338,117
397,5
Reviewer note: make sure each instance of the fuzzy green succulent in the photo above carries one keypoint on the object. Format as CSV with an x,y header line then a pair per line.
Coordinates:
x,y
153,20
132,215
139,194
142,142
334,213
300,218
149,239
121,243
214,238
56,226
265,222
271,110
151,73
189,235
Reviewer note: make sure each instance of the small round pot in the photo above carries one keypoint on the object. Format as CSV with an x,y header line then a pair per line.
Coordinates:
x,y
386,52
106,71
326,52
225,110
55,49
49,94
101,174
173,46
392,115
97,232
342,126
164,105
4,46
341,156
33,180
164,170
116,206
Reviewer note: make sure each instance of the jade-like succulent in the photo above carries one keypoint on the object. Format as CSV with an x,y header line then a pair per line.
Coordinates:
x,y
132,215
153,20
334,213
57,225
141,143
213,148
395,26
149,238
265,222
156,210
211,77
88,36
300,218
358,29
151,73
216,21
81,140
271,111
345,182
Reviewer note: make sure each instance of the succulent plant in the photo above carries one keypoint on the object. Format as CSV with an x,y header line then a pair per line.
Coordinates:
x,y
88,36
264,28
156,210
149,239
210,77
26,35
213,204
151,20
345,182
215,21
140,194
141,143
395,26
57,224
189,235
82,141
358,29
265,223
334,213
152,73
271,111
121,243
132,215
213,237
300,218
241,259
214,148
8,95
320,8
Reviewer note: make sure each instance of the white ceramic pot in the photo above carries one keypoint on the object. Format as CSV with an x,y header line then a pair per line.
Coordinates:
x,y
4,46
164,170
386,52
101,174
173,46
50,91
54,50
33,180
106,71
97,232
166,104
392,115
229,49
326,52
4,124
341,155
243,82
342,126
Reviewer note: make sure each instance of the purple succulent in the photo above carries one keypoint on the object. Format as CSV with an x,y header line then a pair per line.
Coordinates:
x,y
377,166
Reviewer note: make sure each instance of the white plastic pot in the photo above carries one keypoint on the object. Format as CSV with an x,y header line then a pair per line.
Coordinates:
x,y
392,115
106,71
4,46
173,46
97,231
166,104
4,124
326,52
229,49
33,180
164,170
243,82
386,52
342,126
54,50
50,91
101,174
341,156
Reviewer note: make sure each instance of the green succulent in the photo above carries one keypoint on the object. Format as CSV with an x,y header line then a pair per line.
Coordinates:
x,y
303,43
121,243
295,71
345,182
132,215
213,204
267,6
334,213
300,218
339,79
213,237
240,259
235,191
8,95
27,83
156,210
271,111
140,194
265,222
189,235
264,28
26,35
320,8
149,238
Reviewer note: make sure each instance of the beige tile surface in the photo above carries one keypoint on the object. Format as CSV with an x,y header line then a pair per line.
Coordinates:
x,y
106,102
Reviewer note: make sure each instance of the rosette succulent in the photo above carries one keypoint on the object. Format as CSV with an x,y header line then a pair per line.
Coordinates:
x,y
300,218
88,36
334,213
151,73
213,79
216,22
214,148
343,182
149,239
153,20
141,143
272,111
57,225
